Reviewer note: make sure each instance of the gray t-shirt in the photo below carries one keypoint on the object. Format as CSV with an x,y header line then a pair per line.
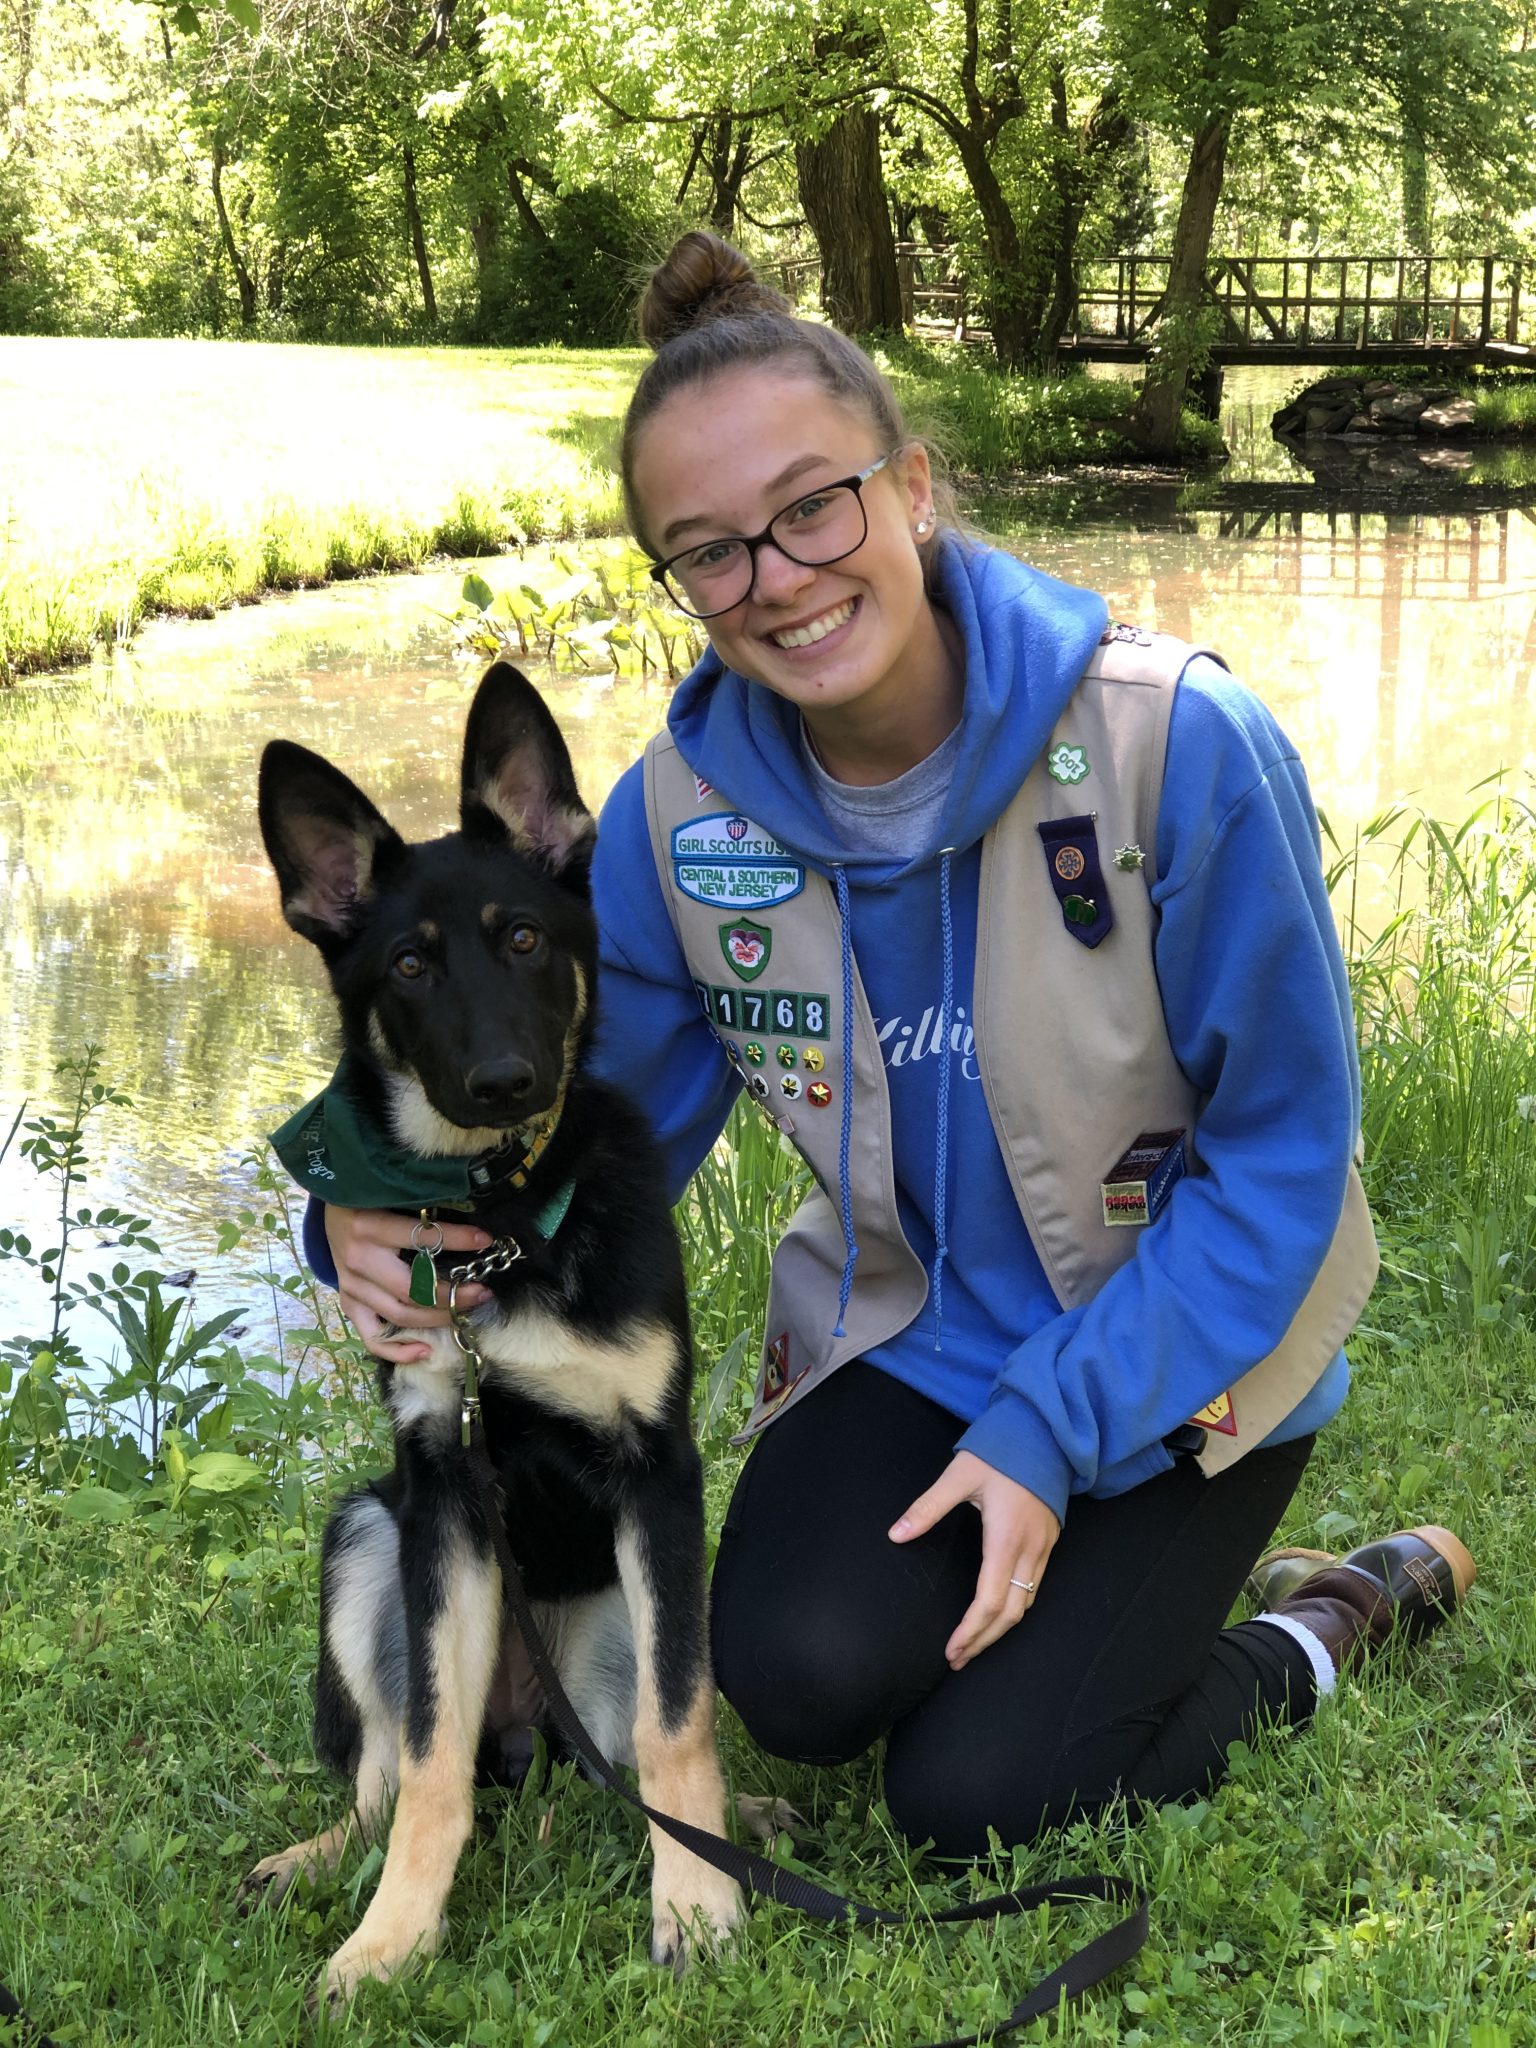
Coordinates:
x,y
899,819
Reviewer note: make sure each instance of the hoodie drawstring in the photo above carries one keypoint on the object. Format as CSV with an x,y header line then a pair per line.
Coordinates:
x,y
941,1158
845,1134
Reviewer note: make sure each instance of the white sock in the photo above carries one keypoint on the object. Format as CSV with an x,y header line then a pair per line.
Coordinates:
x,y
1317,1654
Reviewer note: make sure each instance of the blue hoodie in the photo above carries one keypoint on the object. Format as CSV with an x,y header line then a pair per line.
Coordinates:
x,y
1254,993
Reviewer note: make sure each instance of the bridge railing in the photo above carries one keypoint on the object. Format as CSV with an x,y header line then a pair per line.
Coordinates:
x,y
1341,301
1355,302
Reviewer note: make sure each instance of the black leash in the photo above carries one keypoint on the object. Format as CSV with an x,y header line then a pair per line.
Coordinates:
x,y
1086,1967
26,2030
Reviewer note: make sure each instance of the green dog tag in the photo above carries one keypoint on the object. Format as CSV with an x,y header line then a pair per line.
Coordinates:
x,y
423,1281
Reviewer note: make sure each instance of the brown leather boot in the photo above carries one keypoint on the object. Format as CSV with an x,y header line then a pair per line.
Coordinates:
x,y
1411,1581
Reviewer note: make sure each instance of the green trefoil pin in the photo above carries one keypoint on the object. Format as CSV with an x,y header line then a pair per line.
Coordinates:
x,y
1067,764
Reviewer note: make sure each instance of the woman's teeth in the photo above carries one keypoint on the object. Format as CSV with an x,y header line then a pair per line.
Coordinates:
x,y
818,629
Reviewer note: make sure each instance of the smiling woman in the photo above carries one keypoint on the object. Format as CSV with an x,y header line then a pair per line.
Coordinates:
x,y
974,894
844,629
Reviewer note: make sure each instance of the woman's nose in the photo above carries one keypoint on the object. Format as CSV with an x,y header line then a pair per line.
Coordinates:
x,y
776,576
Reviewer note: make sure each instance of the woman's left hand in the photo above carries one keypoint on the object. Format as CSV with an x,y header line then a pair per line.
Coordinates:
x,y
1018,1533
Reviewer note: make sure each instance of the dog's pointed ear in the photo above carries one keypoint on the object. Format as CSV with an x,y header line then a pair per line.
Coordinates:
x,y
325,839
517,778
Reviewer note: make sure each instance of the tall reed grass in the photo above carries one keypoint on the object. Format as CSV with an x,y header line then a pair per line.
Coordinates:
x,y
733,1214
1445,996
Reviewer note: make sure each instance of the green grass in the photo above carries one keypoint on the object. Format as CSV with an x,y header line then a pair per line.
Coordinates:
x,y
1505,407
139,477
1445,996
149,476
1371,1879
991,426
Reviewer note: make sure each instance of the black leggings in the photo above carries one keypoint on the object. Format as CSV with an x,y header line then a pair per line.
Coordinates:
x,y
1119,1681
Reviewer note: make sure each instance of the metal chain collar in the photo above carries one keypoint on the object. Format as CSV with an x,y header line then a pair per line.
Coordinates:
x,y
502,1256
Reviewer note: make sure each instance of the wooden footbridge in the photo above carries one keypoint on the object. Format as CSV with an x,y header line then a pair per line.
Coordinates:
x,y
1273,309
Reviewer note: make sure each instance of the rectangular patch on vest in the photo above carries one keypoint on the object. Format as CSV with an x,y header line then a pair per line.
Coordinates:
x,y
1142,1178
1077,877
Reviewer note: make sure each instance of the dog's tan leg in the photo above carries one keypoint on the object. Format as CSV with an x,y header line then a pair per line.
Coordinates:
x,y
679,1773
434,1811
377,1776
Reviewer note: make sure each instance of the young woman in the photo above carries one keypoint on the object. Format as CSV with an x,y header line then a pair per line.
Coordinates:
x,y
1014,922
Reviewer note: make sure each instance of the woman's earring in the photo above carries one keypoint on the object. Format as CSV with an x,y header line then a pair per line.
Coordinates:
x,y
922,526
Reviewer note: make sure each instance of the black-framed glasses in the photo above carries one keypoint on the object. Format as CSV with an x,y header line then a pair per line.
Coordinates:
x,y
713,576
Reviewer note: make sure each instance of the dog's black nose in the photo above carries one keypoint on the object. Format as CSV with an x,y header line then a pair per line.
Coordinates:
x,y
499,1084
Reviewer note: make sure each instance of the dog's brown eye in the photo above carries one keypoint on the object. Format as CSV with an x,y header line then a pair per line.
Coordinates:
x,y
409,965
522,938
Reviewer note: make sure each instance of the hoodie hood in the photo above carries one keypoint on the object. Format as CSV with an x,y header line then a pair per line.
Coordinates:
x,y
1027,639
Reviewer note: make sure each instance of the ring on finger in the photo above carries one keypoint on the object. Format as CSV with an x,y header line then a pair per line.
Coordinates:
x,y
1024,1585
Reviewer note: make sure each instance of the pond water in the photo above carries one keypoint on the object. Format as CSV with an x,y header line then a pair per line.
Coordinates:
x,y
1396,646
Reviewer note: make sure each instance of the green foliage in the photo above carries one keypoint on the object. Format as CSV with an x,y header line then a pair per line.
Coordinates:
x,y
990,424
733,1214
599,608
576,283
29,289
1505,406
180,1434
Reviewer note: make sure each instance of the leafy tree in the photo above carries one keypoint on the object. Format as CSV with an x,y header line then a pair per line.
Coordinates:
x,y
1204,70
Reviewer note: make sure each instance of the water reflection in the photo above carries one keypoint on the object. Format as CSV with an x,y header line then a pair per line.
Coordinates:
x,y
1397,648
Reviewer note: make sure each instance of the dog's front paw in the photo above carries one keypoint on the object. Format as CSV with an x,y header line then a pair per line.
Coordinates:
x,y
380,1957
763,1816
270,1881
702,1912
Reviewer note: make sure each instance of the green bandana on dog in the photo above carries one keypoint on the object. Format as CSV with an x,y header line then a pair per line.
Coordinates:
x,y
339,1153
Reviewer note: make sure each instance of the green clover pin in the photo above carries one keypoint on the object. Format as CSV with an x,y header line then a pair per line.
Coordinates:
x,y
1067,764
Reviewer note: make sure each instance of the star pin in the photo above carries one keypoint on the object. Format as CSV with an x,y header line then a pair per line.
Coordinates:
x,y
1128,857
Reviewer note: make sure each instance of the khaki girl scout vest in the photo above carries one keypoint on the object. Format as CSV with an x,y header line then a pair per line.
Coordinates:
x,y
761,935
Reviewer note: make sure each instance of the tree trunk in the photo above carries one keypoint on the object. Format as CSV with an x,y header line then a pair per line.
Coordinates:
x,y
418,235
1007,315
533,227
727,156
245,284
485,236
277,278
1415,175
22,23
1077,171
843,195
1155,421
1162,391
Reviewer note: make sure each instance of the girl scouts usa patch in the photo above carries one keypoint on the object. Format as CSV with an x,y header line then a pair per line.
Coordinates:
x,y
726,859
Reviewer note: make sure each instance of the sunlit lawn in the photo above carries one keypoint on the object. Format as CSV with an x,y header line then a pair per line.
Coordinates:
x,y
138,476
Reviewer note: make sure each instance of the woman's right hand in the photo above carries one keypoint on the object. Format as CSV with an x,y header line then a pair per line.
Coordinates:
x,y
374,1282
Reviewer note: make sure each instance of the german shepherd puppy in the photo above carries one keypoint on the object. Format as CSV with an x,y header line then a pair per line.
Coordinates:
x,y
464,970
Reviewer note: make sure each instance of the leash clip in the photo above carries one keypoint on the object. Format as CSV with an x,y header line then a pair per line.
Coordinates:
x,y
501,1257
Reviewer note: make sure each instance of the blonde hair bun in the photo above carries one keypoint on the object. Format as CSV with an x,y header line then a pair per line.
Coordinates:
x,y
701,279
